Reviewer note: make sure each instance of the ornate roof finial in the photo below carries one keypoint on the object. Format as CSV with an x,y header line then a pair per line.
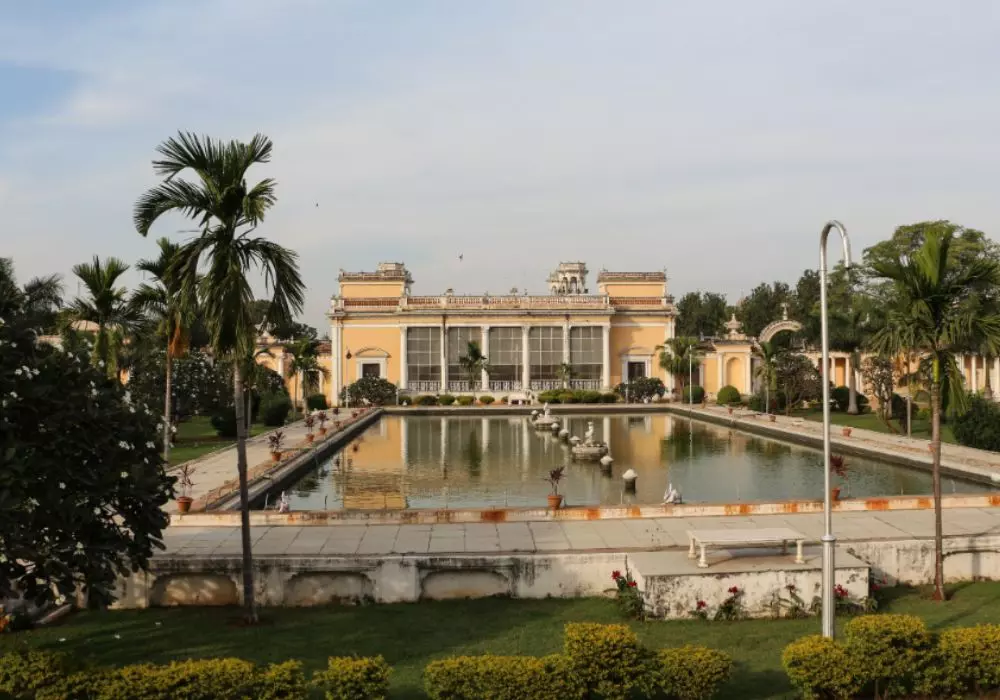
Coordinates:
x,y
784,311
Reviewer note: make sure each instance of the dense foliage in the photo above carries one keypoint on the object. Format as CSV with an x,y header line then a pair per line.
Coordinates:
x,y
81,478
727,395
979,426
698,393
316,402
373,391
638,390
701,315
274,408
199,385
797,378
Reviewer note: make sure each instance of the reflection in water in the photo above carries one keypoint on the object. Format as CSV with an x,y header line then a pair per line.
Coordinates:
x,y
458,462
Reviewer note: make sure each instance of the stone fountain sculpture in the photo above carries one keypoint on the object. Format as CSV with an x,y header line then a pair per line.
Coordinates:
x,y
545,420
590,449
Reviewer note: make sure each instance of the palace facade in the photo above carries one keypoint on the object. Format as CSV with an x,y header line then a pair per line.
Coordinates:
x,y
606,336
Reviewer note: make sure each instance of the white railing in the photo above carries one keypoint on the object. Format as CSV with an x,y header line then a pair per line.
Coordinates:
x,y
504,385
430,387
462,386
585,384
544,384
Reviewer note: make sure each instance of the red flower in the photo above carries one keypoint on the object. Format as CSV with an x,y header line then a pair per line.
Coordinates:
x,y
701,605
615,575
840,591
734,590
632,584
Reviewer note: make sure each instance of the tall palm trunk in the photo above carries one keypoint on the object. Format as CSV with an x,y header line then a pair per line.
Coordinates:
x,y
249,604
987,386
166,405
936,478
852,386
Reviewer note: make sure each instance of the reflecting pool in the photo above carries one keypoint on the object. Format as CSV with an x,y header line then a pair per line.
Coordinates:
x,y
475,462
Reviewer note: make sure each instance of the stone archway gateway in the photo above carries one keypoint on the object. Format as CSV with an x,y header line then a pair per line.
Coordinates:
x,y
772,329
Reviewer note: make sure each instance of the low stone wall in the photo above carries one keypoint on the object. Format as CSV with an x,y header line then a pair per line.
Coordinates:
x,y
297,581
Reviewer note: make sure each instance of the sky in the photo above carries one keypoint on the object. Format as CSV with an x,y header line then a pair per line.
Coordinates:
x,y
712,139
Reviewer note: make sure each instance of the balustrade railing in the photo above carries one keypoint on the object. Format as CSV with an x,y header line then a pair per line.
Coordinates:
x,y
504,385
462,386
430,387
546,384
585,384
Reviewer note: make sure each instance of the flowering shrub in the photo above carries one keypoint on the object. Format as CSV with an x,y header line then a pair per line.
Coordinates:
x,y
629,597
700,610
793,606
732,607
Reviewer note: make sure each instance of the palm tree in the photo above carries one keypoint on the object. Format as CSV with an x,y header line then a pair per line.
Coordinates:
x,y
162,300
678,356
474,363
227,211
305,367
106,306
932,317
767,353
566,372
38,300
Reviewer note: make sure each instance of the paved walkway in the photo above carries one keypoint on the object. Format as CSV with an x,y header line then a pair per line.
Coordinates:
x,y
616,535
981,465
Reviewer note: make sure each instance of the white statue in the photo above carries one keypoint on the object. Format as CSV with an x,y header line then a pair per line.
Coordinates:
x,y
546,410
588,437
671,495
283,505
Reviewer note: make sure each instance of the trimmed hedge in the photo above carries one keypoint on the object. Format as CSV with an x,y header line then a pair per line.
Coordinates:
x,y
274,409
690,672
425,400
698,391
464,400
979,426
352,678
24,673
486,400
893,649
821,668
502,678
606,658
316,402
609,397
727,395
224,422
965,661
575,396
446,399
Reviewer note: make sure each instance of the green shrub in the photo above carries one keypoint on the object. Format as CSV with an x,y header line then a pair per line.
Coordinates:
x,y
568,397
224,422
587,396
285,681
690,672
425,400
82,685
446,399
965,662
374,391
486,400
698,391
405,399
274,409
354,678
890,650
727,395
549,396
22,673
202,679
607,658
638,390
609,397
818,667
502,678
980,425
316,402
923,414
464,400
841,397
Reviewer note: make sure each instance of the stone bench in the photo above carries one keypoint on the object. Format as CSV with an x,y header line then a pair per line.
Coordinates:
x,y
749,537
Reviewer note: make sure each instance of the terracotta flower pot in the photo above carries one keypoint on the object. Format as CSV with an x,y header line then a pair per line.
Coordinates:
x,y
275,456
322,431
555,501
771,417
846,432
835,493
730,410
184,503
310,437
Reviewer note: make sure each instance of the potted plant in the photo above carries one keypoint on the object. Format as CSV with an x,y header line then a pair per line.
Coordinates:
x,y
184,482
336,410
274,441
846,430
771,417
310,421
554,477
322,418
838,467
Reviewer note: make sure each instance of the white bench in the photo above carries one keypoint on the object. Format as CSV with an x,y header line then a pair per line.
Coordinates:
x,y
703,539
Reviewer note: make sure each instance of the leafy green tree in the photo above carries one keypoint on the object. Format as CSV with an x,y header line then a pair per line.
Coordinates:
x,y
305,367
38,301
474,363
804,306
227,212
762,307
82,484
106,306
766,370
798,378
678,356
161,299
701,315
932,286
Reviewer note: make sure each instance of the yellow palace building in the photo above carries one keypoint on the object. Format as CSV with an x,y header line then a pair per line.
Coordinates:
x,y
379,329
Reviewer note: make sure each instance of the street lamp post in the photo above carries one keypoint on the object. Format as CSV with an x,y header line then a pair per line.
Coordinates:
x,y
829,574
690,378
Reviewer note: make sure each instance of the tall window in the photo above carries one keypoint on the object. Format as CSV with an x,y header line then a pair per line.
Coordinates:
x,y
505,354
458,347
545,352
423,354
586,352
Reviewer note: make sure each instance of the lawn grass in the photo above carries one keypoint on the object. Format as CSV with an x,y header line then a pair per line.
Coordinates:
x,y
871,421
410,635
196,437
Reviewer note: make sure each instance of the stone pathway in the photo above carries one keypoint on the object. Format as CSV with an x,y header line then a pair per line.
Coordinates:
x,y
532,537
981,465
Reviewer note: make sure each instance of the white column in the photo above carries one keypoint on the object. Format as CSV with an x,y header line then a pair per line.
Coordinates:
x,y
565,348
444,441
444,358
606,431
972,372
525,369
722,370
485,424
747,388
402,357
336,340
996,379
485,344
606,356
404,440
281,360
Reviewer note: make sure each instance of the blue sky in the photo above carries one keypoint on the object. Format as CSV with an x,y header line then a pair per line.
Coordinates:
x,y
712,138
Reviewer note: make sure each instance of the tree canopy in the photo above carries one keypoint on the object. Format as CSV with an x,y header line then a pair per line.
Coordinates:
x,y
701,315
